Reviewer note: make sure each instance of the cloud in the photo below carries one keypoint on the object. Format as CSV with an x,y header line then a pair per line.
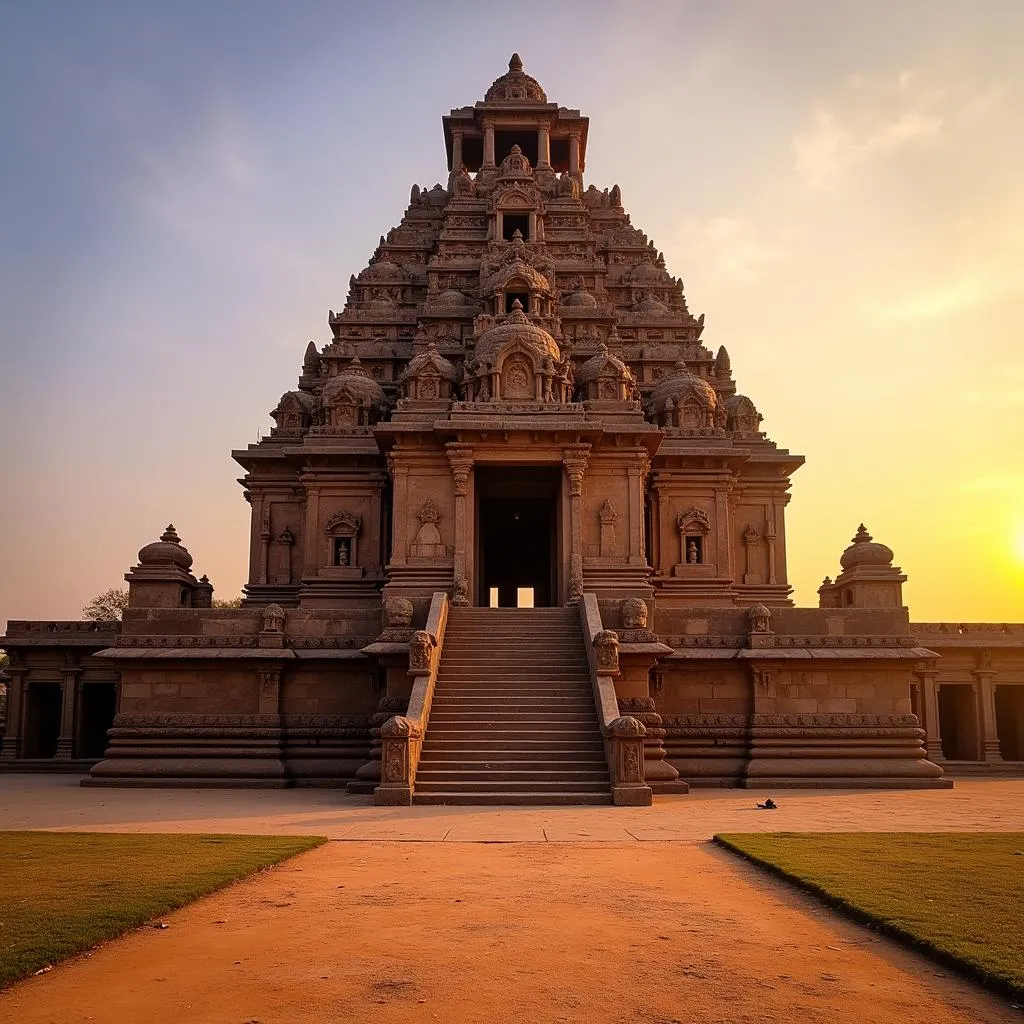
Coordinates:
x,y
871,119
729,247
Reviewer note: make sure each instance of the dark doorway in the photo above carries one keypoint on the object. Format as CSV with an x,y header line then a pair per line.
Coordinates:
x,y
1010,722
99,705
525,140
513,222
958,722
517,527
42,719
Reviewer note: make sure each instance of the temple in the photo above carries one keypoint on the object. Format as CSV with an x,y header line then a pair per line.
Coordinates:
x,y
517,536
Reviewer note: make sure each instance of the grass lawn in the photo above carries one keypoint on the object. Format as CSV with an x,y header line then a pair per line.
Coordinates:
x,y
958,897
63,892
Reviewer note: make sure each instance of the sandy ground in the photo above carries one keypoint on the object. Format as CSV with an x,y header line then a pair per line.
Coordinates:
x,y
531,932
58,802
467,914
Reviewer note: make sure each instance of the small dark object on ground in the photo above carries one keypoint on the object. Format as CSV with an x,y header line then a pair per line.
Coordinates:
x,y
768,805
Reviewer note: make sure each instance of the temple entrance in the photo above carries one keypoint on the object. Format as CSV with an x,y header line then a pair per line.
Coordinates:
x,y
517,529
958,722
42,719
98,707
1010,722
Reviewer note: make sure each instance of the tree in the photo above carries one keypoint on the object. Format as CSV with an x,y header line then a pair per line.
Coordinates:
x,y
235,602
108,606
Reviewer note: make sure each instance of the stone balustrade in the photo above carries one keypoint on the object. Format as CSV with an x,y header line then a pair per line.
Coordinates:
x,y
623,735
402,735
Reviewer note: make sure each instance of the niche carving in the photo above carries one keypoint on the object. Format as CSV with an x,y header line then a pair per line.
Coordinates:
x,y
342,531
427,542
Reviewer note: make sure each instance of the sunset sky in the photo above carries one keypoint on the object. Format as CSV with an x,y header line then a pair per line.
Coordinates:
x,y
187,187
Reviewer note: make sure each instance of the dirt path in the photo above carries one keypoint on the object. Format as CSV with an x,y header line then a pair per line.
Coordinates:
x,y
531,933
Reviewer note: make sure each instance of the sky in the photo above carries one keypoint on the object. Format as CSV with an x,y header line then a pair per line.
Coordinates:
x,y
185,189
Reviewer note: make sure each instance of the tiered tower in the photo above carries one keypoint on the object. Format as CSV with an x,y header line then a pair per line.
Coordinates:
x,y
515,337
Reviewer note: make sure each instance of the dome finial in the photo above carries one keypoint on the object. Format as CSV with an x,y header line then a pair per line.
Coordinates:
x,y
515,63
862,536
517,306
170,535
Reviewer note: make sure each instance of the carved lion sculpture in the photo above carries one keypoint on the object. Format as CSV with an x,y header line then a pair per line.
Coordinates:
x,y
634,613
398,611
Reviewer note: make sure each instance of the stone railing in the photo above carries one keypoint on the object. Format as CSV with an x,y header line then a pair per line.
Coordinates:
x,y
623,735
402,736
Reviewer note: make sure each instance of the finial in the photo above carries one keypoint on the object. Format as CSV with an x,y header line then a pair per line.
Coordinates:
x,y
170,535
517,235
515,63
862,536
517,306
723,364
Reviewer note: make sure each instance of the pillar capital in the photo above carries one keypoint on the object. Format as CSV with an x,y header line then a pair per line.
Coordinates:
x,y
460,459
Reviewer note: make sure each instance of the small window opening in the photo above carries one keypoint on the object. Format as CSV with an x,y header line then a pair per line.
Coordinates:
x,y
492,598
695,550
525,140
513,222
472,153
341,553
523,297
184,598
847,597
524,597
559,155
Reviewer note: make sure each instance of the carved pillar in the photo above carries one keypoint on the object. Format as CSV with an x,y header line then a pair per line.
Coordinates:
x,y
456,150
488,144
312,533
400,511
69,692
574,461
769,536
270,690
930,709
11,749
460,458
654,555
985,715
574,153
543,146
264,540
723,537
637,478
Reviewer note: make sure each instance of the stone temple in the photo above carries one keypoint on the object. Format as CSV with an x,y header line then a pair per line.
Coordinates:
x,y
517,536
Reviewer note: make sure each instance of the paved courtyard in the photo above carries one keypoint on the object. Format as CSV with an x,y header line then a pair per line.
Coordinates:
x,y
480,914
58,802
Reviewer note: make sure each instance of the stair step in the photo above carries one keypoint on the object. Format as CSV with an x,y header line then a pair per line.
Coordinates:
x,y
446,761
556,716
451,701
514,692
517,799
520,746
470,785
428,776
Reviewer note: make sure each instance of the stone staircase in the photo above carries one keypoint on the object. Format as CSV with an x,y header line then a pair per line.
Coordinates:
x,y
513,718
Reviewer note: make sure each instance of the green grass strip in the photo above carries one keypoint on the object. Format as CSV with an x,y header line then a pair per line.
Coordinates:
x,y
957,897
63,892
